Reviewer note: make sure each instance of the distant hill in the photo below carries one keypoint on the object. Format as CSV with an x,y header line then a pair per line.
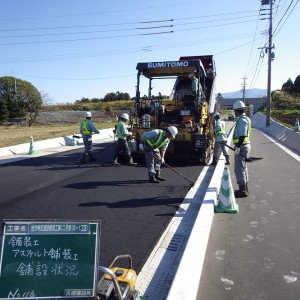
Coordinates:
x,y
253,93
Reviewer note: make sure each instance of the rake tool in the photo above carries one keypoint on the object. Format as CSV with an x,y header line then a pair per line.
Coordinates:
x,y
248,159
165,164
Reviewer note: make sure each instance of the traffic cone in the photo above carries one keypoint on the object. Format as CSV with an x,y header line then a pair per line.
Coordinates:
x,y
31,147
74,141
297,129
226,202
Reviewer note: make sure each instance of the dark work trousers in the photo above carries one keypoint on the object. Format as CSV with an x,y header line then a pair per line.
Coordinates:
x,y
122,150
87,141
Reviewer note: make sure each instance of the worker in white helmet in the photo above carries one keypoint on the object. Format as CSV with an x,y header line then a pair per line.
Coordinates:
x,y
87,128
241,140
155,143
220,139
122,148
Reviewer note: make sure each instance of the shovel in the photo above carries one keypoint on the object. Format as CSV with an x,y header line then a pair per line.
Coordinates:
x,y
248,159
77,136
192,182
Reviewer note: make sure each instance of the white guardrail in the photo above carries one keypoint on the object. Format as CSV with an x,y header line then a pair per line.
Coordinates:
x,y
285,135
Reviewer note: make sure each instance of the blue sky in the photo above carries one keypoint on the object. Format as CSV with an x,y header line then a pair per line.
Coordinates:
x,y
69,49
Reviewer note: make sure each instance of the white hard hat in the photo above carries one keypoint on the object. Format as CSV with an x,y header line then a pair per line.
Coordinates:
x,y
239,105
125,116
173,130
191,75
217,115
88,114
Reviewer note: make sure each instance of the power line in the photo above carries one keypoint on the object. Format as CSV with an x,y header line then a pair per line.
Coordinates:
x,y
85,26
96,13
275,33
118,29
69,56
252,46
118,36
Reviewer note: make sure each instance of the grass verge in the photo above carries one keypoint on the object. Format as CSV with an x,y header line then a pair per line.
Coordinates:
x,y
15,135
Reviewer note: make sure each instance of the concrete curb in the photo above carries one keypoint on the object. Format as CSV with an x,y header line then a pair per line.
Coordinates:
x,y
183,285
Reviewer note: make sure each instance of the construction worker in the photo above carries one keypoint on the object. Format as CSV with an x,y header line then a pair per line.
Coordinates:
x,y
155,143
123,134
87,128
194,85
220,139
241,140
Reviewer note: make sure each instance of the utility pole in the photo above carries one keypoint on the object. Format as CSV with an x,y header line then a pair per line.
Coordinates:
x,y
270,58
244,89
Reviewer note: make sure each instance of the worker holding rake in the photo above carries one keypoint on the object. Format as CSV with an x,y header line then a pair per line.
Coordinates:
x,y
242,147
154,144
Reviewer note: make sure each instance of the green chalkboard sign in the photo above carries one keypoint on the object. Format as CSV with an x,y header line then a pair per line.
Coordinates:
x,y
49,259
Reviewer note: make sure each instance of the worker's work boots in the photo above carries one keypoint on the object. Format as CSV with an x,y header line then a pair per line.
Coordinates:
x,y
152,179
227,163
158,177
115,162
82,159
92,157
215,161
242,192
131,163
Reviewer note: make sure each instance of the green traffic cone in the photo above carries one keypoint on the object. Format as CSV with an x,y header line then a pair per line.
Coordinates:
x,y
297,129
226,202
31,147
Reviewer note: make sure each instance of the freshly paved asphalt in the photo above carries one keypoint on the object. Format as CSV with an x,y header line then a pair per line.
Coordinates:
x,y
255,254
133,212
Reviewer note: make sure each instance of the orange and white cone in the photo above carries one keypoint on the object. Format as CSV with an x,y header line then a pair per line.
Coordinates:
x,y
226,202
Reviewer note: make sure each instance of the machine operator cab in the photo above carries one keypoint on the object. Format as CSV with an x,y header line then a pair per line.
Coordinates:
x,y
183,99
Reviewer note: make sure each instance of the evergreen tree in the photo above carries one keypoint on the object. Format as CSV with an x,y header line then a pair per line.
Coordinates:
x,y
297,85
288,86
4,113
21,98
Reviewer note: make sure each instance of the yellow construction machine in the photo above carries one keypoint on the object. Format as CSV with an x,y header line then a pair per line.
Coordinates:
x,y
188,108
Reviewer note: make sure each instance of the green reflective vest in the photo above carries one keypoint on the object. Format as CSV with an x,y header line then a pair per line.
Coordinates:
x,y
247,138
222,130
160,142
84,127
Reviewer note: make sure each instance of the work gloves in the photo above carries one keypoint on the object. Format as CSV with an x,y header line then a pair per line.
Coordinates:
x,y
237,150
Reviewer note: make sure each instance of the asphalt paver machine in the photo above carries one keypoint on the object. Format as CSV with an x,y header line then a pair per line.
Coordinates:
x,y
191,112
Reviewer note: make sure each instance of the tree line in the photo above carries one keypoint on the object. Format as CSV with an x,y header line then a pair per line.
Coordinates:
x,y
292,88
109,97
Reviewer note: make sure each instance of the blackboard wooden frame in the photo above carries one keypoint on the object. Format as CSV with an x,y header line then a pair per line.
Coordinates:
x,y
49,259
